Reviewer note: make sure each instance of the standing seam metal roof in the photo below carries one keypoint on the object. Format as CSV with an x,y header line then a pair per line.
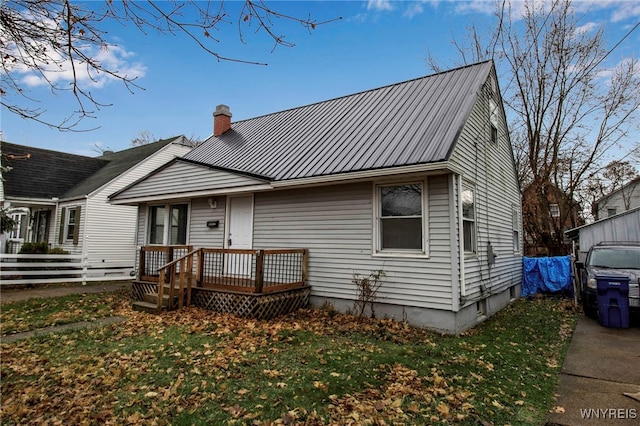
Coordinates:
x,y
408,123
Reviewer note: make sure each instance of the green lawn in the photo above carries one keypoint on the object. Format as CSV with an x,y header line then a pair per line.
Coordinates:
x,y
312,367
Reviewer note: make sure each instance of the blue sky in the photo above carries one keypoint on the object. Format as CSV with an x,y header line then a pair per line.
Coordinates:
x,y
374,44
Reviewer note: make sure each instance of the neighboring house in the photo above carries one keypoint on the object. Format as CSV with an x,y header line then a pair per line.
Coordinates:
x,y
623,227
33,180
63,198
620,200
416,179
560,213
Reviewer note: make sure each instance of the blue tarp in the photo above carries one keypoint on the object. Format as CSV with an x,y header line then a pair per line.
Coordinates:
x,y
547,275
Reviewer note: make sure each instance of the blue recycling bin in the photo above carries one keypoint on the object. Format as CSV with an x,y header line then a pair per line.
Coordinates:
x,y
613,300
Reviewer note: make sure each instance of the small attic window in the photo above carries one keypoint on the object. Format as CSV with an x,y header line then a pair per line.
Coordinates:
x,y
493,120
493,85
494,134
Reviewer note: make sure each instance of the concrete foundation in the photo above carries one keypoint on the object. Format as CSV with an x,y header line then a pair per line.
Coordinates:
x,y
440,320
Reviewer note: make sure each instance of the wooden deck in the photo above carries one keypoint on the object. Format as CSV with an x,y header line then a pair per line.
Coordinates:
x,y
252,283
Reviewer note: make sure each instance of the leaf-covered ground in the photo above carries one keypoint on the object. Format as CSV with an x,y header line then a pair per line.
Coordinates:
x,y
313,367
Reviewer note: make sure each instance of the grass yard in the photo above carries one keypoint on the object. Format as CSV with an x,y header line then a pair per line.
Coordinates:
x,y
313,367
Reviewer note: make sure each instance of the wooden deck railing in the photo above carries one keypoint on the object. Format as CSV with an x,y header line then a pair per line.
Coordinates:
x,y
153,257
250,271
182,270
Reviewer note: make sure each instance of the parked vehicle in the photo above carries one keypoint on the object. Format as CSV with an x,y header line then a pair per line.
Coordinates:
x,y
611,259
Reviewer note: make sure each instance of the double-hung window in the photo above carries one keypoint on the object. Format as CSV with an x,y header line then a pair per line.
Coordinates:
x,y
20,231
469,218
70,217
72,223
493,121
400,219
515,226
168,224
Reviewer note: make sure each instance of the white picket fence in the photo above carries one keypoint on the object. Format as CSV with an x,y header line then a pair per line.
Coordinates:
x,y
19,269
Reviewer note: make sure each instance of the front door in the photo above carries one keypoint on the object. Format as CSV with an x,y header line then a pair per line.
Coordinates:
x,y
240,235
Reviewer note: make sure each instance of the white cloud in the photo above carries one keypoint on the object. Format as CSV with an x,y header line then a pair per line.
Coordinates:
x,y
54,67
60,70
414,9
379,5
626,10
586,28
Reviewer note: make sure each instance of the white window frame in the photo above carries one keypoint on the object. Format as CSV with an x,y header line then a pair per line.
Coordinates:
x,y
377,217
473,221
515,225
493,121
166,223
554,209
67,223
22,226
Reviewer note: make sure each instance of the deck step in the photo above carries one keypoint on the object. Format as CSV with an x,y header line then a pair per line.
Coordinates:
x,y
151,308
153,298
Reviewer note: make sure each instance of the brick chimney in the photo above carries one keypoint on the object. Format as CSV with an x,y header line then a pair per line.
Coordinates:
x,y
221,120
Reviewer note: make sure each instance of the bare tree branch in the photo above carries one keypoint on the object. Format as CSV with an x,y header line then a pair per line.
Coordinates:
x,y
58,43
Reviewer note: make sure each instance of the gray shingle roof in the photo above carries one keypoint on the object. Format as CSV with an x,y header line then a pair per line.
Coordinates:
x,y
44,174
118,163
47,174
409,123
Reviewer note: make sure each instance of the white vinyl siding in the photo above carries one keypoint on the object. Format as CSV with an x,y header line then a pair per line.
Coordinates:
x,y
181,177
490,166
335,223
625,198
201,212
110,234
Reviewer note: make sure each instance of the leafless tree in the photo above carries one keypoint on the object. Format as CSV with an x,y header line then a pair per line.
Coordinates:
x,y
614,177
143,137
567,109
55,38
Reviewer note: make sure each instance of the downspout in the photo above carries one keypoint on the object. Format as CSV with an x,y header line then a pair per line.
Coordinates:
x,y
455,259
85,241
463,288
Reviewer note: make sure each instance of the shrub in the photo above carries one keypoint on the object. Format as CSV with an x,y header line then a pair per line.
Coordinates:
x,y
34,248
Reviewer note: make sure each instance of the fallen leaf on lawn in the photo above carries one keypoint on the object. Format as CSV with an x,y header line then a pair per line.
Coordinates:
x,y
443,409
321,385
497,404
236,411
558,409
413,407
519,402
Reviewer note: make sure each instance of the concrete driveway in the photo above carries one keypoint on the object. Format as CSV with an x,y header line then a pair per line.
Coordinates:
x,y
600,379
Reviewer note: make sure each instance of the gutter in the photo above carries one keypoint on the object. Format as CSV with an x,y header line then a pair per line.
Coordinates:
x,y
433,168
348,177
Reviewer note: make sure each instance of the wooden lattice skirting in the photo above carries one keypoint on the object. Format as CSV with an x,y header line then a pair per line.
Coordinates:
x,y
250,305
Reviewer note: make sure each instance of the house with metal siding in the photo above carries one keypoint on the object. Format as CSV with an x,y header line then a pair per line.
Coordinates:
x,y
416,179
72,190
622,227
